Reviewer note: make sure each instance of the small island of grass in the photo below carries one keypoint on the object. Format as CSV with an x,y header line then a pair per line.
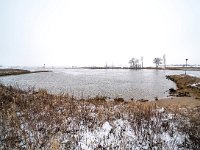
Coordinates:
x,y
7,72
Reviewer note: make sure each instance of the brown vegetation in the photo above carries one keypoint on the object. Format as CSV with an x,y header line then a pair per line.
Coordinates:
x,y
38,120
7,72
184,84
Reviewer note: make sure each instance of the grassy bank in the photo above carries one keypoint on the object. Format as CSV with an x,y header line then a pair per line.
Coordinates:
x,y
187,84
38,120
7,72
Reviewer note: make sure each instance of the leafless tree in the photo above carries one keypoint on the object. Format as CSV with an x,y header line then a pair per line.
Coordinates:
x,y
134,63
157,61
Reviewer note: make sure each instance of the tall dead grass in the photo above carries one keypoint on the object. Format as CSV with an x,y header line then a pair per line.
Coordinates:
x,y
38,120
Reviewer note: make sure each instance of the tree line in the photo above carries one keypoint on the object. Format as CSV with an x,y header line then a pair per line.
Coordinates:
x,y
138,63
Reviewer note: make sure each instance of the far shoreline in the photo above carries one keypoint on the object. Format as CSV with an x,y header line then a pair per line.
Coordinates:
x,y
9,72
144,68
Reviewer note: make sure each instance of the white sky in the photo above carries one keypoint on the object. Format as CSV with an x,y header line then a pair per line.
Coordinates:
x,y
96,32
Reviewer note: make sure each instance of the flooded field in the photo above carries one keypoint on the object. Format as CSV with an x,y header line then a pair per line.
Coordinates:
x,y
84,83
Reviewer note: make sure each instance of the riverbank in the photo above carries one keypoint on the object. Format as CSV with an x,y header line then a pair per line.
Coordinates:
x,y
7,72
159,68
187,85
39,120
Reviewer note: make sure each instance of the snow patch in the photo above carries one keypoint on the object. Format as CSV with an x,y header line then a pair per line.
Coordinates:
x,y
196,85
161,110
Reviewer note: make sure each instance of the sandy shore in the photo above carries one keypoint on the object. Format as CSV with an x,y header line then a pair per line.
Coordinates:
x,y
179,102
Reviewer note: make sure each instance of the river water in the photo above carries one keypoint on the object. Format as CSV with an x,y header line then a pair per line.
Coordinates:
x,y
137,84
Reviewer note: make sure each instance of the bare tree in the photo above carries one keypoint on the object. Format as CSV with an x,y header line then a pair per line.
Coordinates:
x,y
157,62
134,63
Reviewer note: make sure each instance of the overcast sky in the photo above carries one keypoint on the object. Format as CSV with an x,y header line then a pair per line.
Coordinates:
x,y
96,32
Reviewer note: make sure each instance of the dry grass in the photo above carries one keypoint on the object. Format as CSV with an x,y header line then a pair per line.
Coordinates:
x,y
187,107
38,120
179,102
183,83
7,72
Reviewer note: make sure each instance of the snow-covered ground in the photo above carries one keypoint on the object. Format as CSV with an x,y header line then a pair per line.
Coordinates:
x,y
157,131
37,120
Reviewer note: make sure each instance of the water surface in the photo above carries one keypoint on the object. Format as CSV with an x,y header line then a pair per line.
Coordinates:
x,y
125,83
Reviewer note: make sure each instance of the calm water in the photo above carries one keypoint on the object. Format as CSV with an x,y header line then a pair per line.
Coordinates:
x,y
128,84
